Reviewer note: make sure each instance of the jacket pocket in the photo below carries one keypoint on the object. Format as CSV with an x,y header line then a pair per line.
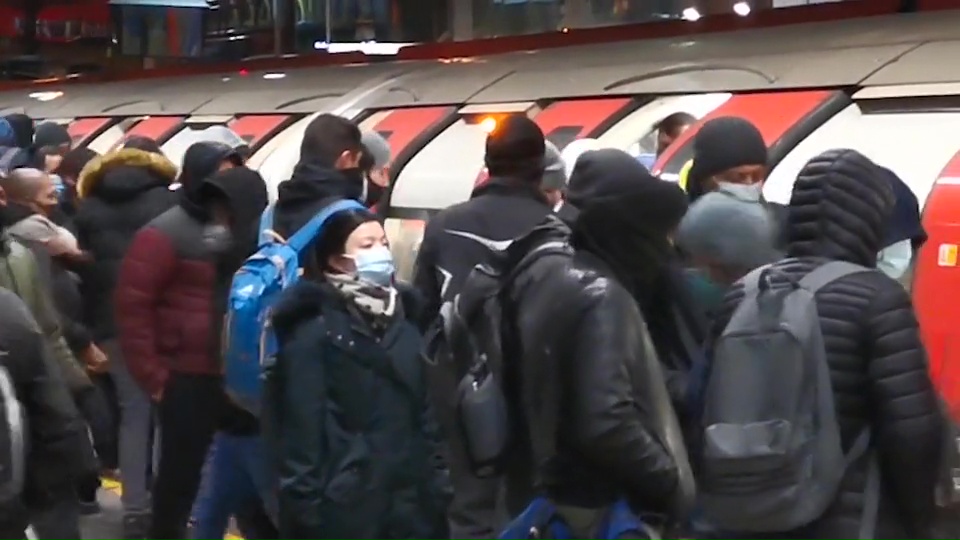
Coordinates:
x,y
348,478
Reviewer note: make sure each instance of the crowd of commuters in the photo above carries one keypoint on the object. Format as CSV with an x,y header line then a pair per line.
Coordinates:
x,y
614,321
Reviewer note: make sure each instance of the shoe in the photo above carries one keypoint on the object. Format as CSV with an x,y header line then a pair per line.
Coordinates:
x,y
136,526
89,508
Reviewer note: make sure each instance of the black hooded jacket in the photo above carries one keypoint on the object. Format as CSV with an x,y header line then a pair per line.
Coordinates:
x,y
838,211
200,162
460,237
246,196
53,424
311,187
118,194
597,413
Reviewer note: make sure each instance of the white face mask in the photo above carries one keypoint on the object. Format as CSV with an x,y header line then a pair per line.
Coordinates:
x,y
744,192
894,260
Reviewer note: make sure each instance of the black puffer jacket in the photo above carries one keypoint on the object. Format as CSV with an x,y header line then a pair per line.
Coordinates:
x,y
598,415
118,194
54,425
879,371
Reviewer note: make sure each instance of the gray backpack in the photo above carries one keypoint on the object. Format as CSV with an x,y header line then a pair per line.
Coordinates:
x,y
772,458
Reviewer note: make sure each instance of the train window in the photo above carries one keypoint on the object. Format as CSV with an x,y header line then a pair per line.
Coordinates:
x,y
915,145
107,140
177,145
444,171
564,135
636,133
276,159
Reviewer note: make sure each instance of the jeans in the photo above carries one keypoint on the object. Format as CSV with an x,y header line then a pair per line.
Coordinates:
x,y
237,483
136,430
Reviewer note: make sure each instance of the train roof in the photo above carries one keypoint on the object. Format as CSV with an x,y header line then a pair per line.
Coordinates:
x,y
875,51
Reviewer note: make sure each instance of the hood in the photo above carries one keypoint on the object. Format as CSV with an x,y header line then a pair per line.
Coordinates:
x,y
505,186
201,161
839,209
245,191
597,171
102,177
905,222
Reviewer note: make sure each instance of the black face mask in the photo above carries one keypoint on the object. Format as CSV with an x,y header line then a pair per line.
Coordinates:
x,y
373,192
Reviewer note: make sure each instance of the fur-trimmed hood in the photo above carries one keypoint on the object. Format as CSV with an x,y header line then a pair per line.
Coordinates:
x,y
93,176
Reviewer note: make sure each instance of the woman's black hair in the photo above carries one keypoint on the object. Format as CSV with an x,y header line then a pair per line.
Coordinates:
x,y
334,236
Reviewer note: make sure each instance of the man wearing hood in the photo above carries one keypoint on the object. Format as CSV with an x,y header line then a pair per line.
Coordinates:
x,y
117,194
167,323
839,211
328,170
904,234
236,482
508,205
599,420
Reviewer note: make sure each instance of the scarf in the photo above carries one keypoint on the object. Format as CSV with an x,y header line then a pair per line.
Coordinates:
x,y
373,301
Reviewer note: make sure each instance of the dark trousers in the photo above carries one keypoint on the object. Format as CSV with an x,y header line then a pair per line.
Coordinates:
x,y
189,411
60,518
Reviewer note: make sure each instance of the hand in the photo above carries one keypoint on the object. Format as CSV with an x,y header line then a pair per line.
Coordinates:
x,y
95,359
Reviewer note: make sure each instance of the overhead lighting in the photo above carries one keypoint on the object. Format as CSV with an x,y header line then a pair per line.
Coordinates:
x,y
691,14
46,96
274,76
741,8
488,124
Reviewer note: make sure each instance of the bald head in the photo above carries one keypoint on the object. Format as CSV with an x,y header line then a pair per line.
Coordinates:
x,y
30,187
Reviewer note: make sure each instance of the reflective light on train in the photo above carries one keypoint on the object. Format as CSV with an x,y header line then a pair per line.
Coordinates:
x,y
274,76
691,14
741,8
488,124
46,96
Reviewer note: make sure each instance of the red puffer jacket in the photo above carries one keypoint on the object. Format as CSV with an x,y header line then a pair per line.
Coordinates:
x,y
164,301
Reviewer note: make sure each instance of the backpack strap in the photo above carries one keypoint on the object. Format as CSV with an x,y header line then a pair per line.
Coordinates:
x,y
308,232
828,273
266,234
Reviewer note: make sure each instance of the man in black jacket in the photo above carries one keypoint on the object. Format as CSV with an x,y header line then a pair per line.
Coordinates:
x,y
839,211
598,423
507,206
329,169
52,420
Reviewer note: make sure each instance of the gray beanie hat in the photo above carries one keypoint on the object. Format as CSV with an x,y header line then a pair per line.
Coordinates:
x,y
377,148
554,172
736,233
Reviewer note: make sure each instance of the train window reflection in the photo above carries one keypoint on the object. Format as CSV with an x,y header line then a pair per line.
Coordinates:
x,y
894,140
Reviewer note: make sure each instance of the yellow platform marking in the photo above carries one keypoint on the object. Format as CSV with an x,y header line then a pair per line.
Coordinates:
x,y
117,488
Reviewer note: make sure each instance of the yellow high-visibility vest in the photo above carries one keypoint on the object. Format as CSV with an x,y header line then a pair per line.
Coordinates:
x,y
684,171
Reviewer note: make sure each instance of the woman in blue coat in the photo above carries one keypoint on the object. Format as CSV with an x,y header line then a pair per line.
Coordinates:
x,y
348,419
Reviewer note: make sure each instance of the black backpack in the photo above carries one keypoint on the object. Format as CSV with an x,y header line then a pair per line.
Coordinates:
x,y
476,334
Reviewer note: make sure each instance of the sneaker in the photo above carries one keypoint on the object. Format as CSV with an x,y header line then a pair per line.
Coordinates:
x,y
136,526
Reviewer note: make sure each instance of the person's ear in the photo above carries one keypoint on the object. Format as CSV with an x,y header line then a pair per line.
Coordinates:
x,y
348,160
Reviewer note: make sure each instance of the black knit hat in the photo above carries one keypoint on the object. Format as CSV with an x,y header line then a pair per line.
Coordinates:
x,y
721,144
50,134
516,148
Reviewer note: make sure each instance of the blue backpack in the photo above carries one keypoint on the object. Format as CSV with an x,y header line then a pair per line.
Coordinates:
x,y
249,343
542,520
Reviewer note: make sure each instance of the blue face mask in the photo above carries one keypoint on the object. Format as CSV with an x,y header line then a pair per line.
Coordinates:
x,y
58,184
375,265
894,260
744,192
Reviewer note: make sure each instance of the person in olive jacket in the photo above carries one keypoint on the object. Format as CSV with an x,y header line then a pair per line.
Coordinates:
x,y
839,211
349,418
